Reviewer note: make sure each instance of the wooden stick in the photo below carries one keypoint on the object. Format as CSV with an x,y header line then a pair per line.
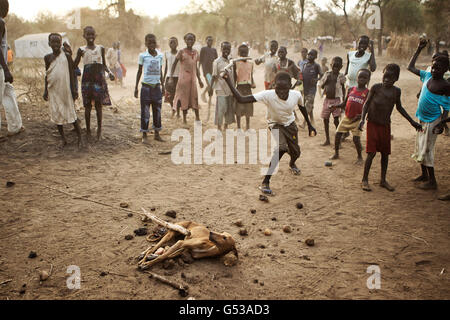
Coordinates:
x,y
6,281
183,289
166,224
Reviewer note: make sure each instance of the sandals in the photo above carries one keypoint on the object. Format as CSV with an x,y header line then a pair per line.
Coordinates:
x,y
265,189
296,171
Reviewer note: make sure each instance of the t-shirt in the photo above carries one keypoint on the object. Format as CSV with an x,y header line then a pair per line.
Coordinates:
x,y
279,111
207,57
152,66
429,108
221,86
356,64
270,62
311,73
355,102
170,59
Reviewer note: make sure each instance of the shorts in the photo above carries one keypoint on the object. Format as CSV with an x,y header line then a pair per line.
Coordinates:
x,y
326,112
425,144
224,110
288,140
378,138
244,109
309,102
346,125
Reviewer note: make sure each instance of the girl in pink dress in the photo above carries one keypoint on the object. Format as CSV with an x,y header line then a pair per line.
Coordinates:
x,y
186,96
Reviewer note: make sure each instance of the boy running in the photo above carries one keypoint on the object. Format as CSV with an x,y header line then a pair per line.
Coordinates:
x,y
378,108
435,95
353,105
281,103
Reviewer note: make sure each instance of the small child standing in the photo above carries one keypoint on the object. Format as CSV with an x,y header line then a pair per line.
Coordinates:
x,y
151,92
243,75
207,56
324,65
378,108
435,95
60,87
225,101
186,95
93,82
170,57
333,83
353,104
311,75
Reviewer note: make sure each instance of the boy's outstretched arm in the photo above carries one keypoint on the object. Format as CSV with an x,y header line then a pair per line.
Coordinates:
x,y
403,112
47,65
412,63
306,116
138,77
237,95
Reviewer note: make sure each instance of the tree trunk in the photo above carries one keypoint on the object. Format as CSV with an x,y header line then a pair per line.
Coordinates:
x,y
227,28
380,32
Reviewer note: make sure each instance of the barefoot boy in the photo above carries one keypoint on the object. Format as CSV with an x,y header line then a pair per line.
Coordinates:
x,y
207,56
378,108
281,104
269,60
225,100
360,59
60,87
311,75
353,105
170,57
287,65
434,95
152,87
333,83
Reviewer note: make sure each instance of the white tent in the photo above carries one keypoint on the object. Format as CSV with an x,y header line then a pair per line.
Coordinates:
x,y
35,45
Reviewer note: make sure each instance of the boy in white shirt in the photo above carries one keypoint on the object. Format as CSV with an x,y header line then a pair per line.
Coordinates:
x,y
281,103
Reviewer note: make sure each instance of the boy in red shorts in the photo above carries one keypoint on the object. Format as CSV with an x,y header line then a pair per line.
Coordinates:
x,y
378,108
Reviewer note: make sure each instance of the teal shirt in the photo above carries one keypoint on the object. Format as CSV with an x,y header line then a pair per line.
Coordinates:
x,y
429,108
152,66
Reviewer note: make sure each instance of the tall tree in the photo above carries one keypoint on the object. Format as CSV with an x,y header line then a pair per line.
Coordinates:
x,y
294,11
361,8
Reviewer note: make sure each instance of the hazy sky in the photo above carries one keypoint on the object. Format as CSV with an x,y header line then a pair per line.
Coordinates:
x,y
28,9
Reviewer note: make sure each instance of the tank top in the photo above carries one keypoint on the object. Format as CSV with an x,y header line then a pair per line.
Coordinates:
x,y
356,64
4,43
92,56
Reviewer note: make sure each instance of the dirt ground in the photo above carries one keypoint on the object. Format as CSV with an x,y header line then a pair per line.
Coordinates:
x,y
405,233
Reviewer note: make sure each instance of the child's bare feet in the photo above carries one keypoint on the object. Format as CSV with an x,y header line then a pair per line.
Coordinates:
x,y
295,170
387,186
326,143
88,137
421,178
144,137
10,134
365,186
428,186
335,157
158,137
359,161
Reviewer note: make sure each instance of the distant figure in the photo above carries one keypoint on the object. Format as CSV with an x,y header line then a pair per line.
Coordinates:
x,y
270,60
60,87
10,58
169,58
324,66
112,57
207,56
7,94
312,73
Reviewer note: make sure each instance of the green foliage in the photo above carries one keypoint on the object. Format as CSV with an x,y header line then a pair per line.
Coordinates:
x,y
403,16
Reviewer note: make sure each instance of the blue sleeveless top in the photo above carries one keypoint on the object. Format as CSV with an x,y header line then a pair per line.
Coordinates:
x,y
429,108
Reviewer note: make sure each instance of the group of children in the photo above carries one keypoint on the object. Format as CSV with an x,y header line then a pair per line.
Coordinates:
x,y
232,79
